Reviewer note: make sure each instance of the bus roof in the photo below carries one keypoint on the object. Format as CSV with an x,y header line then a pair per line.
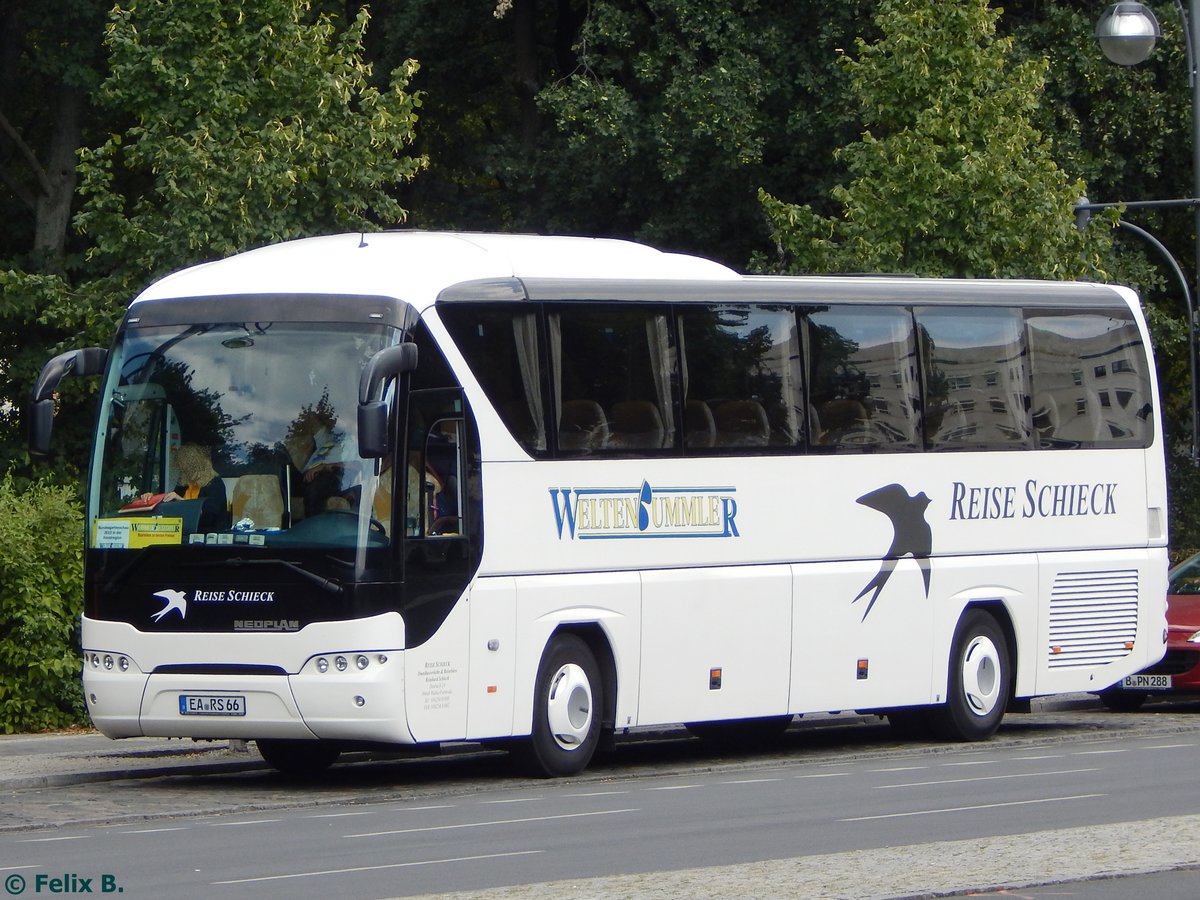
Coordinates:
x,y
415,266
419,268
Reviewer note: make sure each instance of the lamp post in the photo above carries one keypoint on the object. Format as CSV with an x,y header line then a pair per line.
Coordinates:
x,y
1127,33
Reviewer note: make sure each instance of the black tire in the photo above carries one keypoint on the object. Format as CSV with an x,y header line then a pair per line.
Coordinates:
x,y
1122,701
741,734
299,759
567,706
980,680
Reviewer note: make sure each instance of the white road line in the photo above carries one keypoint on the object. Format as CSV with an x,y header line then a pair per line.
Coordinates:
x,y
15,868
674,787
597,794
513,800
1044,756
1168,746
898,769
365,812
251,822
973,762
751,781
952,809
155,830
1095,752
603,812
880,787
72,837
421,808
404,865
824,775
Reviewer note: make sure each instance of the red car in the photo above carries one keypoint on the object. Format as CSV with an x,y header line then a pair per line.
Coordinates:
x,y
1179,670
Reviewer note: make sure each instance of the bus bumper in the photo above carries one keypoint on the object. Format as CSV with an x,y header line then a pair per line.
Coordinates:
x,y
344,694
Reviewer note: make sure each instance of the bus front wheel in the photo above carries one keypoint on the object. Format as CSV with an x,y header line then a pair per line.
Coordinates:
x,y
299,759
979,681
566,710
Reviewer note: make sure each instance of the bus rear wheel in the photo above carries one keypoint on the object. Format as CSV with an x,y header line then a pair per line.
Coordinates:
x,y
980,680
566,710
299,759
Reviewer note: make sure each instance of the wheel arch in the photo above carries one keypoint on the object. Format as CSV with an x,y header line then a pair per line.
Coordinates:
x,y
597,640
998,610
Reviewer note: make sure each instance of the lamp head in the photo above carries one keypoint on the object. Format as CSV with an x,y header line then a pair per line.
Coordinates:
x,y
1127,33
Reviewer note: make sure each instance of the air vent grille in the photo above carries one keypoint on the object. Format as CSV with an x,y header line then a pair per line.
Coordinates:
x,y
1093,617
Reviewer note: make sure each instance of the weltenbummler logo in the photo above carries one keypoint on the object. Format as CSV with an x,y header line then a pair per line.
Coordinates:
x,y
644,512
911,536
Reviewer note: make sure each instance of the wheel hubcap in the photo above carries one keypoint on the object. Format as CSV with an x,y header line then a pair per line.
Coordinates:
x,y
981,675
569,707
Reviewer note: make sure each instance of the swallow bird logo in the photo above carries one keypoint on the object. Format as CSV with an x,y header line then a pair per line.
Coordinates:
x,y
175,600
912,536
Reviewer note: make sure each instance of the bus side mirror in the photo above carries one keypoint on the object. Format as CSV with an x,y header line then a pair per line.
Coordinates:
x,y
88,361
372,410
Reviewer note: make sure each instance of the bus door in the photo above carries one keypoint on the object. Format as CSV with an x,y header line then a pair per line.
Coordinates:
x,y
440,534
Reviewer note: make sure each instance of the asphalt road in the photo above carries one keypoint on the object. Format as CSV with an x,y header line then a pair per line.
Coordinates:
x,y
841,810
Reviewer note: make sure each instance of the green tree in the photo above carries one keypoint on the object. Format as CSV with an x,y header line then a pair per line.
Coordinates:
x,y
949,177
232,125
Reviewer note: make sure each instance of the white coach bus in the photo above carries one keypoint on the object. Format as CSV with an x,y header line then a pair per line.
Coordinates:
x,y
405,488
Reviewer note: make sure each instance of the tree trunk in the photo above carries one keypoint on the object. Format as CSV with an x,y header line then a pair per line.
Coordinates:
x,y
53,207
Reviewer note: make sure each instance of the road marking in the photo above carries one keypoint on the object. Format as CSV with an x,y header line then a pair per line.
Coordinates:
x,y
423,862
251,822
603,812
951,809
155,830
983,778
899,769
751,781
15,868
422,808
597,794
72,837
972,762
1044,756
365,812
1094,752
1168,746
823,775
513,800
673,787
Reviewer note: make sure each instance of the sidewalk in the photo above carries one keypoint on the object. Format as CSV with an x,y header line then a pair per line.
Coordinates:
x,y
56,759
62,758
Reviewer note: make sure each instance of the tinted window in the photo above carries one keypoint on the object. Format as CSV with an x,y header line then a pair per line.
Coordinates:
x,y
1091,381
741,377
976,378
501,347
612,375
863,384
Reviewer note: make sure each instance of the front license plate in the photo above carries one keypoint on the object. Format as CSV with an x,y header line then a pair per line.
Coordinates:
x,y
1147,683
212,705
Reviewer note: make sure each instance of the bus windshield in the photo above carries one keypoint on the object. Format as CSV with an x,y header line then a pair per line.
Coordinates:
x,y
237,434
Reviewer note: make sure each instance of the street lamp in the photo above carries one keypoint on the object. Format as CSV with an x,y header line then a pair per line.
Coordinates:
x,y
1127,33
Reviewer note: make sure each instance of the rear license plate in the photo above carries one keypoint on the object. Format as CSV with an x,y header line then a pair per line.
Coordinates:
x,y
1147,683
212,705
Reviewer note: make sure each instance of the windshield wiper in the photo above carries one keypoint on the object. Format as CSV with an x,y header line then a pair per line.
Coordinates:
x,y
331,587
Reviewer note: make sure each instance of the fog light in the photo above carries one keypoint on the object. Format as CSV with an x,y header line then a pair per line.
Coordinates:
x,y
322,664
95,660
360,701
382,659
123,664
362,662
108,661
341,663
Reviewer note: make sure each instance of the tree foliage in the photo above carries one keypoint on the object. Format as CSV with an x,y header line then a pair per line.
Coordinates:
x,y
231,125
950,177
